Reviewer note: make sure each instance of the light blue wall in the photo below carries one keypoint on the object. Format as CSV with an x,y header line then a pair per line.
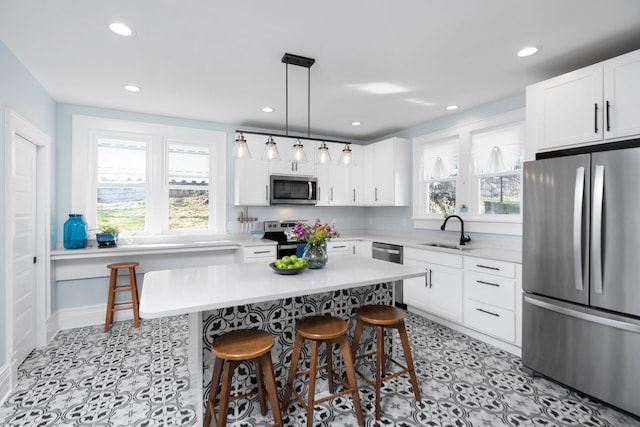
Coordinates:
x,y
20,91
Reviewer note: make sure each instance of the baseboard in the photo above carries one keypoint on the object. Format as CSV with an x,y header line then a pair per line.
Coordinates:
x,y
5,382
78,317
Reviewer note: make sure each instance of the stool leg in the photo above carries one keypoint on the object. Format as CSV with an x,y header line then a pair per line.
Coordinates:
x,y
404,339
134,295
295,357
110,299
261,397
379,366
312,382
351,377
356,338
272,392
213,392
329,349
229,367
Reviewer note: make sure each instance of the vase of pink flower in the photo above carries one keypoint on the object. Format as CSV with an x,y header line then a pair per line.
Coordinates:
x,y
316,236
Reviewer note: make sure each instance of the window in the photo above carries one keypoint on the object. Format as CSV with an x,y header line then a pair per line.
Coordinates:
x,y
497,165
440,173
148,179
473,170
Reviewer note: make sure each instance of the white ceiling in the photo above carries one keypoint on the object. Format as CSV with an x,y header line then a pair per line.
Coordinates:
x,y
220,61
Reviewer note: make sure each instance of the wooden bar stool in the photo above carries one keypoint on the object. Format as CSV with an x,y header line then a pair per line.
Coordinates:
x,y
330,330
230,349
384,316
114,288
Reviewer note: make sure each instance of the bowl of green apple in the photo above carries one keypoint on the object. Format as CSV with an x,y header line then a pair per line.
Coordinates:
x,y
289,264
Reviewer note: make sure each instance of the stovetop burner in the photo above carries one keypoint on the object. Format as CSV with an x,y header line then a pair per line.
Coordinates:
x,y
276,230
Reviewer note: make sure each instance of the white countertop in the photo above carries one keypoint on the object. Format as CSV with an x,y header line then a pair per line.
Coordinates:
x,y
191,290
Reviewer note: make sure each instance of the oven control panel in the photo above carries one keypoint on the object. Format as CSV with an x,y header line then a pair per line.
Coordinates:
x,y
275,226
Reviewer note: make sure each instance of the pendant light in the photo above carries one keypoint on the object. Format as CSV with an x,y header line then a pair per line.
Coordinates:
x,y
299,156
240,148
270,152
346,158
324,156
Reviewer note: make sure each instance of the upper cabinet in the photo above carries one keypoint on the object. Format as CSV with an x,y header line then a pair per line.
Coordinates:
x,y
340,185
386,173
251,176
288,166
593,104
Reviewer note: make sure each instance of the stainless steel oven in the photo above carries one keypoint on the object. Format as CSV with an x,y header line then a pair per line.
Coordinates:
x,y
276,231
293,190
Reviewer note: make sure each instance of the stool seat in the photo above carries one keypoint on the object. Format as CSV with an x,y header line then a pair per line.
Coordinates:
x,y
242,344
321,327
230,349
381,317
328,330
384,315
114,288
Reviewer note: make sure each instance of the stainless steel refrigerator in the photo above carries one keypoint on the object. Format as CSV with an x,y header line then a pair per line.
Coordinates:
x,y
581,273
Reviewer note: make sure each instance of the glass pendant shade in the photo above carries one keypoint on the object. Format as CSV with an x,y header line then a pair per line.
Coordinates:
x,y
270,152
346,159
299,156
241,149
324,156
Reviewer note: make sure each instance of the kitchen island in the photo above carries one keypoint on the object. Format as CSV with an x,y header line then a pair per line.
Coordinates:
x,y
222,298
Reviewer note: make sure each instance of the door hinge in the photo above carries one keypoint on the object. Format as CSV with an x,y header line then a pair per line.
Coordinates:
x,y
35,259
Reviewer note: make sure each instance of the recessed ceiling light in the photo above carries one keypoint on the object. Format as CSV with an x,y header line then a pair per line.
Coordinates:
x,y
121,29
267,109
451,107
355,123
527,51
132,88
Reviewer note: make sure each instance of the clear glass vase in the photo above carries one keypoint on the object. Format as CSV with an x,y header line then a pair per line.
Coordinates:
x,y
316,254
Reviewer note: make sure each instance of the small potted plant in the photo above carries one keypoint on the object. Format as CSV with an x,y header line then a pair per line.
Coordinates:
x,y
107,237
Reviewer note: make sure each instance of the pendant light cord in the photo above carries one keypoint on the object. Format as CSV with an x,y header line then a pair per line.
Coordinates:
x,y
286,102
309,102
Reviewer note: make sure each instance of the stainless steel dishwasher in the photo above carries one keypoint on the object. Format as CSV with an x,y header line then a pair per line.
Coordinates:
x,y
391,253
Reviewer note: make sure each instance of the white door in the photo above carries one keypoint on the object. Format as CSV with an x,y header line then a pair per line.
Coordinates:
x,y
24,247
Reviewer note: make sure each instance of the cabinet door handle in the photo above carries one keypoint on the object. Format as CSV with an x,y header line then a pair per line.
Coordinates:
x,y
332,194
608,124
266,192
430,278
482,282
261,252
354,195
426,278
376,195
488,266
488,312
595,117
338,246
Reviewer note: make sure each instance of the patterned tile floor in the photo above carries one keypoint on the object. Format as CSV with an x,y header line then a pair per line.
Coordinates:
x,y
139,377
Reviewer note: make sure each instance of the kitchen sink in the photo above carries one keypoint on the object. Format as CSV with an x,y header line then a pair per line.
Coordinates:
x,y
446,246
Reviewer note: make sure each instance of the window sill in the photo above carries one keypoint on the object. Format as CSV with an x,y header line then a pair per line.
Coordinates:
x,y
475,224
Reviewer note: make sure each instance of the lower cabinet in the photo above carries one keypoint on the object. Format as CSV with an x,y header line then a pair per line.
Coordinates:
x,y
259,254
490,297
338,247
440,292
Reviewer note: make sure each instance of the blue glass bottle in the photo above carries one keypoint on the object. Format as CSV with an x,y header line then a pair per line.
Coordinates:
x,y
75,232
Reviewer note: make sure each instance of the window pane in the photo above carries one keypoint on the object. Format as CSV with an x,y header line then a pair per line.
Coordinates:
x,y
121,160
188,209
188,164
442,197
123,207
500,194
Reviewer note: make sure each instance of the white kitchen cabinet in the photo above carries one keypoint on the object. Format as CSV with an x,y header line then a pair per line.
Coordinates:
x,y
356,176
440,292
363,248
340,185
596,103
264,254
338,247
251,176
287,166
490,291
386,173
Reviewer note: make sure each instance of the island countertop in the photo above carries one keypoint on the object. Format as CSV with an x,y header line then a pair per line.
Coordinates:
x,y
197,289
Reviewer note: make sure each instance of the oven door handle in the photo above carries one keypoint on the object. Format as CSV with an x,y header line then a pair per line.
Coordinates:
x,y
290,246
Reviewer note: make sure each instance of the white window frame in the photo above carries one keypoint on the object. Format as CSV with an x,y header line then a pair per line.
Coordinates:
x,y
86,130
465,186
423,184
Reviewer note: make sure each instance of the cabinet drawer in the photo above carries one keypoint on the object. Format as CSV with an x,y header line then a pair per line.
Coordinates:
x,y
259,252
490,289
490,266
338,246
490,319
433,257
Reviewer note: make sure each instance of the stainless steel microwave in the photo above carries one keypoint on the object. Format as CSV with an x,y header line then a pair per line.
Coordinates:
x,y
293,190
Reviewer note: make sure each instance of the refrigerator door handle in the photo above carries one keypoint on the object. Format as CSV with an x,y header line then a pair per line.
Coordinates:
x,y
596,227
578,199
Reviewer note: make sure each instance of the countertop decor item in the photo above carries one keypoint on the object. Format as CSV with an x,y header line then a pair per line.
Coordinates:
x,y
107,237
316,236
286,271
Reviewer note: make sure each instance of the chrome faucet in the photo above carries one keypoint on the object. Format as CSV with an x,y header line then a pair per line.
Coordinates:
x,y
463,239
